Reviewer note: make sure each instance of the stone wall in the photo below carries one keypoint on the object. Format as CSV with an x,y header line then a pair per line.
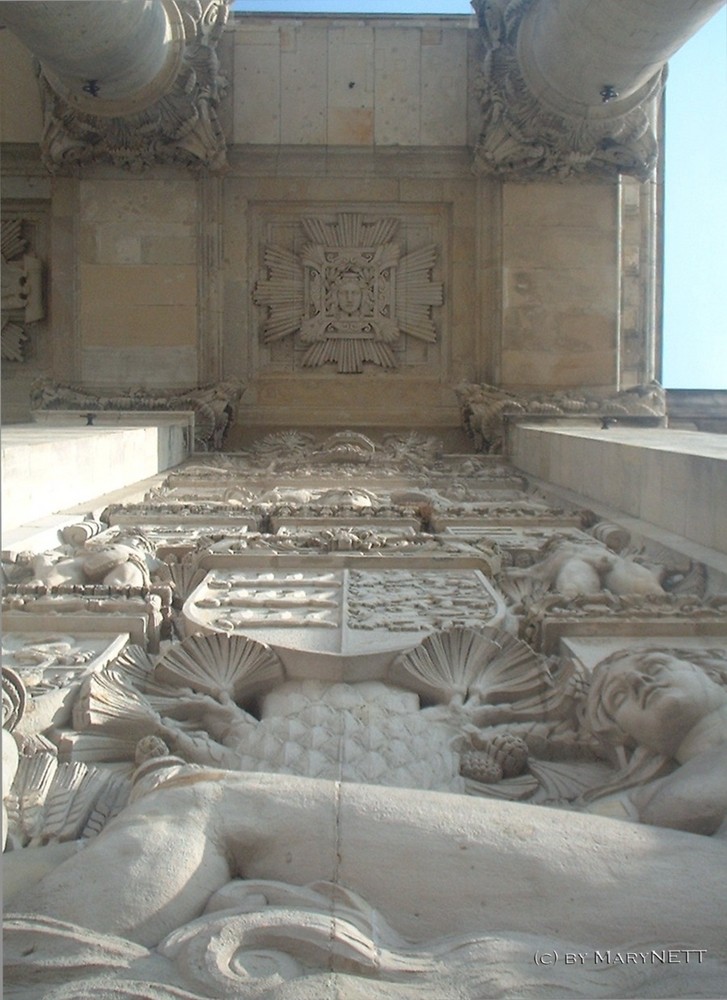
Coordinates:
x,y
163,278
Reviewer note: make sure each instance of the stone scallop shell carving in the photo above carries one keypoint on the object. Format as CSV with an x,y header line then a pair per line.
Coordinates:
x,y
220,664
111,702
489,664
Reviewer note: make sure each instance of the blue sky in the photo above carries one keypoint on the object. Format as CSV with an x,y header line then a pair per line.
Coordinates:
x,y
695,237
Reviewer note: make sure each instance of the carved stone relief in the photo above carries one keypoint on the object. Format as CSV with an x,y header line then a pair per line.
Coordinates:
x,y
354,612
181,128
486,409
214,406
51,668
351,695
522,137
347,291
22,287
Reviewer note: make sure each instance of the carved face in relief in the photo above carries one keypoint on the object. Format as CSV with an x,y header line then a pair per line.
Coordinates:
x,y
650,698
349,294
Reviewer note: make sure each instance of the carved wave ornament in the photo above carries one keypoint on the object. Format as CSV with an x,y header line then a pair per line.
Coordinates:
x,y
266,940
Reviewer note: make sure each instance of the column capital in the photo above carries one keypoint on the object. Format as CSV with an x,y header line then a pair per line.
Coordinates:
x,y
126,82
525,134
573,86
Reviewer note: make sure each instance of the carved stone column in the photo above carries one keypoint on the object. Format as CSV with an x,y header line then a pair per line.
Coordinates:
x,y
130,82
569,86
105,58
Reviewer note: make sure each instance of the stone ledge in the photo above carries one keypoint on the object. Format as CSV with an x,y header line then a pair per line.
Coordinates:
x,y
51,465
673,479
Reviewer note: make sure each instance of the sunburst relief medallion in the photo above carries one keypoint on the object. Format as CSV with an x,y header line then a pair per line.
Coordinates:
x,y
350,293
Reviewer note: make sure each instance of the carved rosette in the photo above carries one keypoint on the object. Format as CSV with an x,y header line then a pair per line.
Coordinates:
x,y
180,128
350,294
521,137
22,296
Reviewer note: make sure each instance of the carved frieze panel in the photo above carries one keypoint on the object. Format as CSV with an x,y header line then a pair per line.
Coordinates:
x,y
350,289
200,513
142,613
51,666
581,569
381,541
296,458
171,542
505,513
547,618
520,547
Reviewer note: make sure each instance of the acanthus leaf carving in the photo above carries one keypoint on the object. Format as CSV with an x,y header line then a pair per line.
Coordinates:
x,y
180,128
486,409
522,137
214,405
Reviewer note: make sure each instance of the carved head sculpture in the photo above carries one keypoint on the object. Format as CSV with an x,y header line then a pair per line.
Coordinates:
x,y
349,293
651,698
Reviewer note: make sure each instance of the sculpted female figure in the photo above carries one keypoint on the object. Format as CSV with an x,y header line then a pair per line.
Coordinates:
x,y
676,711
434,864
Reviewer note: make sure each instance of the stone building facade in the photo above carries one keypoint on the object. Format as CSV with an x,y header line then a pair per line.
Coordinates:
x,y
365,620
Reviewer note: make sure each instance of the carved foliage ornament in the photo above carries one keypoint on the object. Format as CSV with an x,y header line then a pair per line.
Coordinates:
x,y
350,293
180,128
214,405
524,138
487,408
22,301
